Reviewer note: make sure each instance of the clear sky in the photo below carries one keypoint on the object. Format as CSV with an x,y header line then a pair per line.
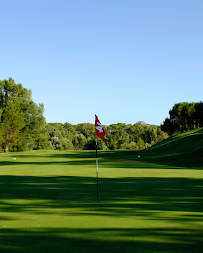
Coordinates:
x,y
124,60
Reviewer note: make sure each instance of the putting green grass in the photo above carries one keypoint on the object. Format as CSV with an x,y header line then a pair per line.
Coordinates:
x,y
48,201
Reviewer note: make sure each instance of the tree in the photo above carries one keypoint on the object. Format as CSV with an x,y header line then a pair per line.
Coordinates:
x,y
58,137
35,131
69,130
87,129
116,139
79,141
135,131
183,117
110,140
198,115
140,143
12,124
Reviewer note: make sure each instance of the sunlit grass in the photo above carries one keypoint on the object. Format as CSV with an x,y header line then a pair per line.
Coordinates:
x,y
48,202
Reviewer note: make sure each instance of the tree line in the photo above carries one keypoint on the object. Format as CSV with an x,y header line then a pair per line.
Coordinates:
x,y
184,117
118,136
23,126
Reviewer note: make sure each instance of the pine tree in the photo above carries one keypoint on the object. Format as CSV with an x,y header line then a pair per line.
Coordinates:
x,y
11,125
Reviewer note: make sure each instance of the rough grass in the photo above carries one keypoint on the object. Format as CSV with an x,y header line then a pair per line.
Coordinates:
x,y
152,203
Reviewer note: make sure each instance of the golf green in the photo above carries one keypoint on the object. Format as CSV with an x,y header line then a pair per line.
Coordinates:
x,y
48,203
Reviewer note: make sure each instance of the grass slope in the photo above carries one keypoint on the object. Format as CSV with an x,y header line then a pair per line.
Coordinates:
x,y
152,203
185,149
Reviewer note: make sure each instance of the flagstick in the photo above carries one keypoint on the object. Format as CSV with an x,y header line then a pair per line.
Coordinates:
x,y
97,173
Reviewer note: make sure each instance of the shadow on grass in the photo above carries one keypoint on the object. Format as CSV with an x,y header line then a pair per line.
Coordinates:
x,y
150,198
118,196
89,240
170,199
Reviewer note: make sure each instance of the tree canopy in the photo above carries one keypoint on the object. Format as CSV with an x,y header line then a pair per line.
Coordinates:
x,y
183,117
23,126
18,108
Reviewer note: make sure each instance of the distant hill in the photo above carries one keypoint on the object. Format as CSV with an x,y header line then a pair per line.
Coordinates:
x,y
142,123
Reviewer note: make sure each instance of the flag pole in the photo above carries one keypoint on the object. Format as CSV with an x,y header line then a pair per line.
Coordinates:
x,y
97,170
100,132
97,174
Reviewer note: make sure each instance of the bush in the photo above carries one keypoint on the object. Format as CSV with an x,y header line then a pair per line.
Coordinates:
x,y
65,144
140,144
79,141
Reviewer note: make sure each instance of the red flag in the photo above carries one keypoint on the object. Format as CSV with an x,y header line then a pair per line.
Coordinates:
x,y
99,128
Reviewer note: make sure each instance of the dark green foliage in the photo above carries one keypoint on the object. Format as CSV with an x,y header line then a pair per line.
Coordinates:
x,y
86,129
183,117
70,130
135,131
169,126
117,139
34,134
91,144
12,124
58,137
79,141
140,143
118,136
198,115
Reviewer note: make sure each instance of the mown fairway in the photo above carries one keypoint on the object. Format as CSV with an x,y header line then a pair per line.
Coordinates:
x,y
48,203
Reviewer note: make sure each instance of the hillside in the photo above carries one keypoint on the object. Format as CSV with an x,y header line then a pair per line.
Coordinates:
x,y
185,149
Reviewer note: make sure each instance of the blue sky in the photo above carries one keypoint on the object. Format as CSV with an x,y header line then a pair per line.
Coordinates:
x,y
125,61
